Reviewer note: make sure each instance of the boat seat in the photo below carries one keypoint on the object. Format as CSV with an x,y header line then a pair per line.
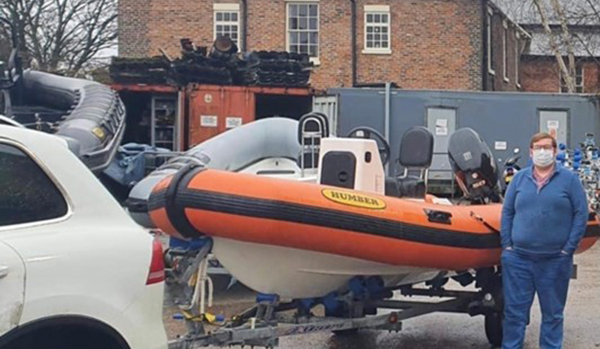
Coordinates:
x,y
409,187
412,187
416,154
391,187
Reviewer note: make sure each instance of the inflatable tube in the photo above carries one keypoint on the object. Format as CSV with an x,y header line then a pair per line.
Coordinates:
x,y
94,119
253,219
234,150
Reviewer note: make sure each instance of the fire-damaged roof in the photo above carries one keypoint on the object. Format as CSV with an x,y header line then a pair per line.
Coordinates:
x,y
221,65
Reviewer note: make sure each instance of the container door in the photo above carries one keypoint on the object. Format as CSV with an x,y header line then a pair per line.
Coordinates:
x,y
204,115
238,108
328,105
442,123
214,110
555,122
164,121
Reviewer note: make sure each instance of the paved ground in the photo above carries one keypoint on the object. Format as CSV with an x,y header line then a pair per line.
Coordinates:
x,y
450,330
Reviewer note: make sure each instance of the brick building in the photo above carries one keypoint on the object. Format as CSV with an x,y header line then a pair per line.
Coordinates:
x,y
417,44
540,69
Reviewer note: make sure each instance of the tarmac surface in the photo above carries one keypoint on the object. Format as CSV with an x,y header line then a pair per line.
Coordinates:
x,y
442,330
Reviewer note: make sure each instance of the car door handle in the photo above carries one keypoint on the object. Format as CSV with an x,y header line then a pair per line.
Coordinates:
x,y
3,271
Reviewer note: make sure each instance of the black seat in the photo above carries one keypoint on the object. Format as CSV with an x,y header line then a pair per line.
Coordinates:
x,y
412,187
416,154
391,187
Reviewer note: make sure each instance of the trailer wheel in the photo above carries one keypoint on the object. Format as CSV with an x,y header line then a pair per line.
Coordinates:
x,y
493,328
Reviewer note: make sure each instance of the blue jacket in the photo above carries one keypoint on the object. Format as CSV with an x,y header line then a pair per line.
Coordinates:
x,y
547,221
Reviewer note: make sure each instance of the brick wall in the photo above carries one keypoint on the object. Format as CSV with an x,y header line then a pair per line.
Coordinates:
x,y
335,46
267,31
266,25
133,28
541,74
436,44
591,77
496,81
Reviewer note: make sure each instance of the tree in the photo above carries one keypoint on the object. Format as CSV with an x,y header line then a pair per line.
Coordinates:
x,y
570,27
60,35
567,72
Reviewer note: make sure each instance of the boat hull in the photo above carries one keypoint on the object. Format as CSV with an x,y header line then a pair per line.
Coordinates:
x,y
296,273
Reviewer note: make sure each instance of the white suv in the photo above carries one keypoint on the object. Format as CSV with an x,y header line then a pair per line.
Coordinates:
x,y
75,270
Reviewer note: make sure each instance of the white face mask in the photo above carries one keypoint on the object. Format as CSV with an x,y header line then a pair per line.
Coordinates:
x,y
543,157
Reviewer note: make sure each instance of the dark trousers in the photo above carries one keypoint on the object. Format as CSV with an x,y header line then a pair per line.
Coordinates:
x,y
525,275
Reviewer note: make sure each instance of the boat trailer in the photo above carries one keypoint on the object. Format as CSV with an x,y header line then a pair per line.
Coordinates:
x,y
362,306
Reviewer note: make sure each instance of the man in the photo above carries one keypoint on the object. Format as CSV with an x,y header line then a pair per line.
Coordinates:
x,y
543,220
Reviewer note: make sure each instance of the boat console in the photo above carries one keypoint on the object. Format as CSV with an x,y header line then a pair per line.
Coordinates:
x,y
357,162
351,163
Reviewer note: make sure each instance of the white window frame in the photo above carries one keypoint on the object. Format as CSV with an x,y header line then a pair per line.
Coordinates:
x,y
314,59
505,50
517,58
582,85
228,8
377,10
490,17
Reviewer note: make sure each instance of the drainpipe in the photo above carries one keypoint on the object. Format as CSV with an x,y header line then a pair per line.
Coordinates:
x,y
353,39
386,126
484,65
244,25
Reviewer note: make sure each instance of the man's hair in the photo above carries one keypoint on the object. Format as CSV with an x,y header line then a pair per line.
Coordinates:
x,y
539,136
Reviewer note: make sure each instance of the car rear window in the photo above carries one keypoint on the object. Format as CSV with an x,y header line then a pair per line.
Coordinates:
x,y
26,193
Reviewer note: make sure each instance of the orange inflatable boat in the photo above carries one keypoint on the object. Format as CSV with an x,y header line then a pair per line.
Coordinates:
x,y
305,239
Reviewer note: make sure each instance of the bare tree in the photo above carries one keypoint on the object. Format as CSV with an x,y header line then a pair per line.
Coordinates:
x,y
570,27
567,72
60,35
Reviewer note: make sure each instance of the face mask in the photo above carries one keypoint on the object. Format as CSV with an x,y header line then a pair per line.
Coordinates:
x,y
543,158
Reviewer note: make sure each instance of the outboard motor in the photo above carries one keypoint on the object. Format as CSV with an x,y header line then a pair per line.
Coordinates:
x,y
474,166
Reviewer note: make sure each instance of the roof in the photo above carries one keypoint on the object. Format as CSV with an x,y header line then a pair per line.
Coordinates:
x,y
509,19
586,41
26,136
525,12
583,20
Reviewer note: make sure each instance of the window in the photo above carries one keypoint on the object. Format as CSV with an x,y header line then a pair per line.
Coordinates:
x,y
505,51
517,58
490,47
578,81
377,29
26,193
303,28
227,21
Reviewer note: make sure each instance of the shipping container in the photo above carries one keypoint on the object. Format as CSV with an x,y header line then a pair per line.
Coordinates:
x,y
177,119
506,121
153,115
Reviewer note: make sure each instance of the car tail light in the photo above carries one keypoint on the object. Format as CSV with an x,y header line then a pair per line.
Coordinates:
x,y
157,265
